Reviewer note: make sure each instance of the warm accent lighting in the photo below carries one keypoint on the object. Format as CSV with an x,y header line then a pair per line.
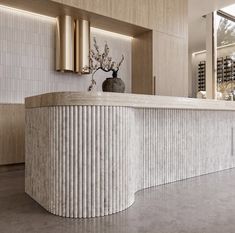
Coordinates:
x,y
65,43
27,13
40,16
82,46
220,47
108,33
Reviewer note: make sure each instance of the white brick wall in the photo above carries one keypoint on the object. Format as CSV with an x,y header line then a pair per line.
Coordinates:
x,y
27,58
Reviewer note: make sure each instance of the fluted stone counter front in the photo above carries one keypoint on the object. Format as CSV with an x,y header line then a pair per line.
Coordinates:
x,y
88,153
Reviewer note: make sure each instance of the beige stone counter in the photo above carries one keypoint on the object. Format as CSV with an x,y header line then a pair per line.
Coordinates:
x,y
88,153
125,100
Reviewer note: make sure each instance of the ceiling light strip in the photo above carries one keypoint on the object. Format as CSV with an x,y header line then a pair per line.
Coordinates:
x,y
40,16
28,13
112,34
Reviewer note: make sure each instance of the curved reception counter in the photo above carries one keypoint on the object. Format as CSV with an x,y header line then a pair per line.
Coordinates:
x,y
88,153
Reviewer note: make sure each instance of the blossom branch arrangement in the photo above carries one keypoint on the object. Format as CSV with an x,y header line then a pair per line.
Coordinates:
x,y
102,61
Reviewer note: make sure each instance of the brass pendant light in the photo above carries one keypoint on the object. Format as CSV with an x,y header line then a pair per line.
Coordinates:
x,y
82,46
72,45
65,44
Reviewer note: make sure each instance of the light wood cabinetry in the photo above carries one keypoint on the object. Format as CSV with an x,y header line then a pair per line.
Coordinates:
x,y
140,13
102,7
11,133
168,16
176,17
124,14
142,64
162,55
170,65
157,15
130,11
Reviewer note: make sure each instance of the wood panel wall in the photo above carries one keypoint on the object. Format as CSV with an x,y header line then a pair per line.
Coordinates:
x,y
11,133
170,65
142,64
168,16
130,11
168,59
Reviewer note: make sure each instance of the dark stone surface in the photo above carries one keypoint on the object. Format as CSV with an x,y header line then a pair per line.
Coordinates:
x,y
113,85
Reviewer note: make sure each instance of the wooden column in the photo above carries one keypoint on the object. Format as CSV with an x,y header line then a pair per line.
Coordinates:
x,y
211,56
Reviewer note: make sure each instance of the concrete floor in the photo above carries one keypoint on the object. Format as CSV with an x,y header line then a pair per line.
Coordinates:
x,y
204,204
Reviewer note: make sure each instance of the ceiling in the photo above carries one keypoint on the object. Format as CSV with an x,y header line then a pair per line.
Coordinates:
x,y
197,24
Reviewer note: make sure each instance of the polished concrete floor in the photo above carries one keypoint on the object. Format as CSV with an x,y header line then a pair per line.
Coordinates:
x,y
204,204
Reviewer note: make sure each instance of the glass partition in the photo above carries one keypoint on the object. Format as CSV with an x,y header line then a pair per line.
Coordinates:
x,y
225,28
225,57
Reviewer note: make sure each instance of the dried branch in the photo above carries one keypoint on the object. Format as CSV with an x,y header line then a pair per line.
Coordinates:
x,y
103,62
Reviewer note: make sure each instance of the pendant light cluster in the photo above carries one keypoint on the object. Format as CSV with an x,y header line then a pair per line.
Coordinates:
x,y
72,45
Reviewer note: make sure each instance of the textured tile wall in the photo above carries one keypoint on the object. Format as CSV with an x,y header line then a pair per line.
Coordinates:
x,y
27,58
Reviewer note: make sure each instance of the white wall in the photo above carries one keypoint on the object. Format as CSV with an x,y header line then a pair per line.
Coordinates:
x,y
27,58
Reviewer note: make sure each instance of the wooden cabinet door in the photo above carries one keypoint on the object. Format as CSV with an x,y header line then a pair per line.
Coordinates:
x,y
170,65
11,133
142,64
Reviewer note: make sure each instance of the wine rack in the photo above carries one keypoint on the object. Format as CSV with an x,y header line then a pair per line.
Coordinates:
x,y
220,68
201,76
228,69
225,72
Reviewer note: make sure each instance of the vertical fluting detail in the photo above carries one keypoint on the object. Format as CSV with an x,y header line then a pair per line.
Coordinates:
x,y
88,161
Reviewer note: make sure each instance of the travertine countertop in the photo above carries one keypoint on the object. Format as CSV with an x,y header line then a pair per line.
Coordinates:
x,y
127,100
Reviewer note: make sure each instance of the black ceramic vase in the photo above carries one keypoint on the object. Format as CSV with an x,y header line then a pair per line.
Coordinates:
x,y
113,85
